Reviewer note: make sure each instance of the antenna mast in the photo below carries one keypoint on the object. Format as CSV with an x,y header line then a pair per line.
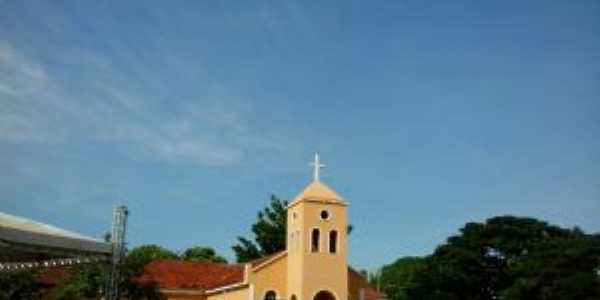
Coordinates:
x,y
118,251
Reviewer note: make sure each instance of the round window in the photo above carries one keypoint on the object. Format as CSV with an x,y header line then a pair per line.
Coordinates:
x,y
324,215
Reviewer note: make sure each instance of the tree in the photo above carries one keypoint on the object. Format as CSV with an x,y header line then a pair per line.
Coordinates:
x,y
202,254
85,281
511,258
396,277
18,285
269,233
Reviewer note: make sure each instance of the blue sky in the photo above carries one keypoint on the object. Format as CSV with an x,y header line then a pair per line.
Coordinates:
x,y
428,115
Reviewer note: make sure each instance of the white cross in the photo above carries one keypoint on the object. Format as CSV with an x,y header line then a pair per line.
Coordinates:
x,y
316,167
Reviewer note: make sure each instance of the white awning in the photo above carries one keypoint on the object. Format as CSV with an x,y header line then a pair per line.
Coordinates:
x,y
28,236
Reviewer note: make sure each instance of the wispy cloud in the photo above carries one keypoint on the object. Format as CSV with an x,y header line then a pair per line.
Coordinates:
x,y
19,75
211,126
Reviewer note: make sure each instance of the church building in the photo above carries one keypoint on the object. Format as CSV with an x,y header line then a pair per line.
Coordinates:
x,y
313,267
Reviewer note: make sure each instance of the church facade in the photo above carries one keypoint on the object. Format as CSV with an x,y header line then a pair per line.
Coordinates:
x,y
313,267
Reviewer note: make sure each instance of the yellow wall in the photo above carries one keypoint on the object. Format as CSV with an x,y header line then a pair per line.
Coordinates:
x,y
270,277
236,294
323,270
296,243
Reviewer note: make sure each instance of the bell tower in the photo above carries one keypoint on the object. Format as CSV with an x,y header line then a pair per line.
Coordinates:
x,y
316,243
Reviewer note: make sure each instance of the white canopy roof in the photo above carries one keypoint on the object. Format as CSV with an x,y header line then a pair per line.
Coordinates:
x,y
20,223
28,236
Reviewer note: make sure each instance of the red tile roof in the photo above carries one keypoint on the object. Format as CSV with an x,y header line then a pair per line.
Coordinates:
x,y
173,274
358,282
51,276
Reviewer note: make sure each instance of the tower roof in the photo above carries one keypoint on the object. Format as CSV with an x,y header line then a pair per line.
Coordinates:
x,y
317,191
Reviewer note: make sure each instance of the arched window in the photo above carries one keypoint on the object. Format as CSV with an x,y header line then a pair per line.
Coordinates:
x,y
270,295
293,297
324,295
333,237
316,236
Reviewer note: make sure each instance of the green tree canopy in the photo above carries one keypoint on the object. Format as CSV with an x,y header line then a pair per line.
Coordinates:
x,y
269,233
18,285
202,254
511,258
394,278
85,281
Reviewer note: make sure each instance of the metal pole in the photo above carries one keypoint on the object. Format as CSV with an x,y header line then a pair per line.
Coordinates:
x,y
118,251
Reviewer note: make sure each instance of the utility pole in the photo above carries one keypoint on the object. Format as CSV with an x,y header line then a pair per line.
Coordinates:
x,y
118,251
